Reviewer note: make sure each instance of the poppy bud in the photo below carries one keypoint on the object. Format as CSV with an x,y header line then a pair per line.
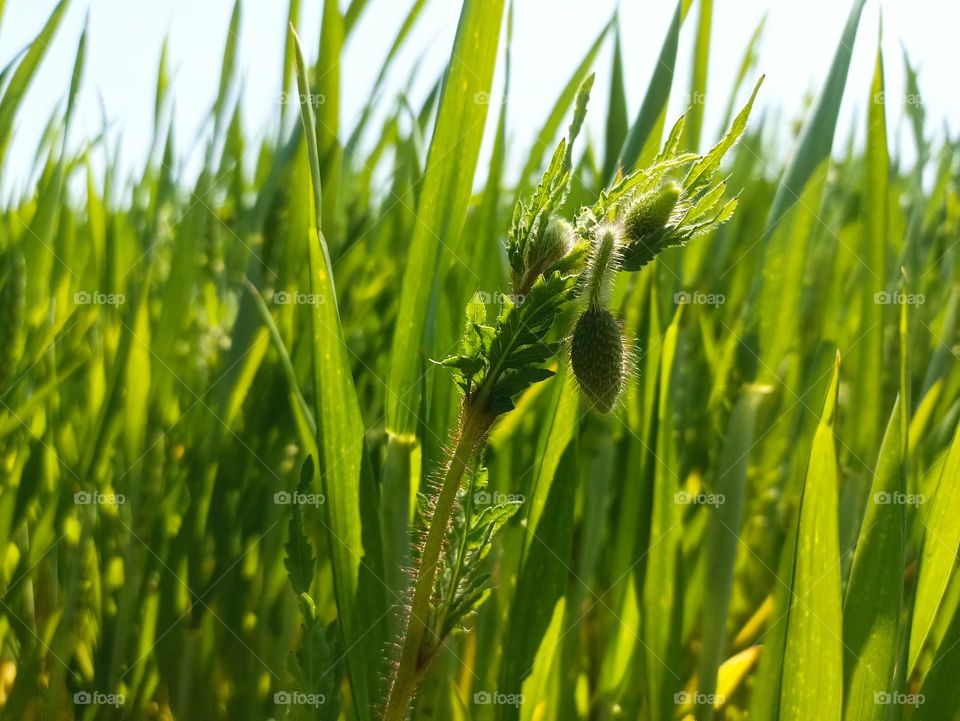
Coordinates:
x,y
597,357
646,222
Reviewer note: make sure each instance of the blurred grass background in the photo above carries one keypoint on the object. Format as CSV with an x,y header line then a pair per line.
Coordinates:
x,y
172,342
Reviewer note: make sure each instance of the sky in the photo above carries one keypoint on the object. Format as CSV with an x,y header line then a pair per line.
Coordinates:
x,y
550,38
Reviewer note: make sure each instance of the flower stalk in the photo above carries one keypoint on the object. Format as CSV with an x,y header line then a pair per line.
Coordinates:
x,y
415,654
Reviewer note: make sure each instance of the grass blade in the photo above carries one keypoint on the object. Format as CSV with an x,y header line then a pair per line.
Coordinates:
x,y
817,138
874,252
938,698
723,537
327,102
874,595
339,443
652,111
446,188
617,120
662,599
811,680
940,545
352,15
543,576
746,66
544,141
23,75
698,78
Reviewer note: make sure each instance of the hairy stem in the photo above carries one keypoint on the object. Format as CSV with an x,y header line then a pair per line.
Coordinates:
x,y
473,426
600,271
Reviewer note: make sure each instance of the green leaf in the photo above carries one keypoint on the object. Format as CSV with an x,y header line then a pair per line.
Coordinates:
x,y
22,77
300,561
941,542
220,109
816,141
874,594
698,76
723,540
662,595
326,96
811,678
617,119
937,700
549,130
77,77
704,170
519,342
317,669
353,13
289,51
540,580
746,66
445,191
873,255
658,93
340,447
781,281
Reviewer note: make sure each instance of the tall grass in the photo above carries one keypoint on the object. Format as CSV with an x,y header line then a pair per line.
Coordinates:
x,y
238,479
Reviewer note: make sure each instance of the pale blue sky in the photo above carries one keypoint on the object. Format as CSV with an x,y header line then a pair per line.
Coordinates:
x,y
551,37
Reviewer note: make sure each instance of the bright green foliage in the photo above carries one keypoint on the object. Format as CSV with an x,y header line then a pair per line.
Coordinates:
x,y
812,660
497,363
300,561
354,543
443,199
317,667
463,583
241,356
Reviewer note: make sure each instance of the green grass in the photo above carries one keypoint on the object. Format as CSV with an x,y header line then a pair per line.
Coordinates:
x,y
307,442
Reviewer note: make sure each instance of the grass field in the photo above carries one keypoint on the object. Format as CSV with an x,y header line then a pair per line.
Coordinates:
x,y
662,427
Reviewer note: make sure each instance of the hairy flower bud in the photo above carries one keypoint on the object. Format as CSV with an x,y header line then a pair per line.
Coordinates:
x,y
645,223
543,251
556,241
597,356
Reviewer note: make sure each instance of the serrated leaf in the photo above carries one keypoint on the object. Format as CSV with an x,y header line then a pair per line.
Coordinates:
x,y
299,560
704,171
